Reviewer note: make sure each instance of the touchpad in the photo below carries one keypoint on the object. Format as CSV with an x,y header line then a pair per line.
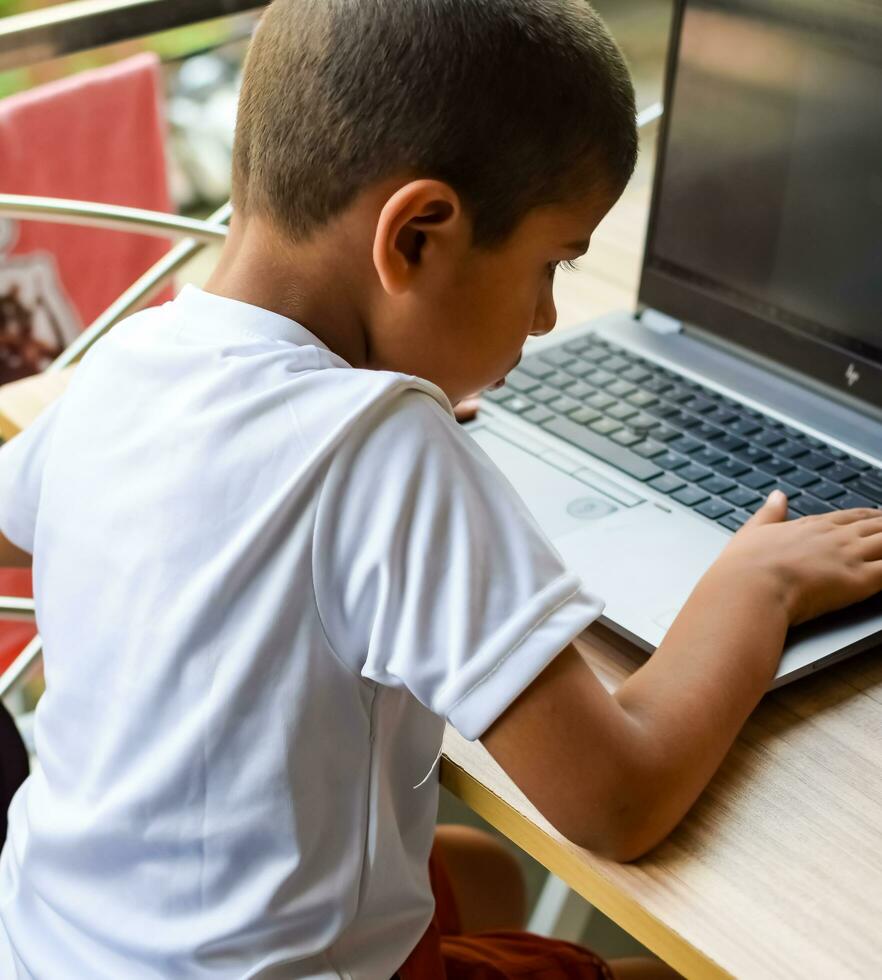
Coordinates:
x,y
559,502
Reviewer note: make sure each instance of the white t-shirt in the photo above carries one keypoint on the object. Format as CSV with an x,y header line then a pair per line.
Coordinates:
x,y
264,581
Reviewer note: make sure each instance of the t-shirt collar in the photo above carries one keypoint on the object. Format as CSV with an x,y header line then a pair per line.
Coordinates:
x,y
200,306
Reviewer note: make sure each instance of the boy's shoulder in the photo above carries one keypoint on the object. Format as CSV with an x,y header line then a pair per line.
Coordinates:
x,y
391,417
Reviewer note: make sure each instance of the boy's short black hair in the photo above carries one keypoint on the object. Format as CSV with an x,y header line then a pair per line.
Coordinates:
x,y
514,103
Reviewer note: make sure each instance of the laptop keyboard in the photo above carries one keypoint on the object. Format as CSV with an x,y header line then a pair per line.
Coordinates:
x,y
704,450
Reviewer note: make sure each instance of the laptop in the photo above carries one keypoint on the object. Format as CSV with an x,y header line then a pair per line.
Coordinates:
x,y
641,441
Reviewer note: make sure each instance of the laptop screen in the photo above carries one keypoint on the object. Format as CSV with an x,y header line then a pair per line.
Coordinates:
x,y
767,211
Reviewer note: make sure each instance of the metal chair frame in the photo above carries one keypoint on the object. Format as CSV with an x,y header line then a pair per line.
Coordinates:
x,y
195,236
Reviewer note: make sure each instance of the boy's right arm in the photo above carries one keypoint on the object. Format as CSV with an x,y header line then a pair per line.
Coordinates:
x,y
616,772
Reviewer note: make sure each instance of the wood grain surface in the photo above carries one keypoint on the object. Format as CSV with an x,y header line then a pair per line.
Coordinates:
x,y
777,869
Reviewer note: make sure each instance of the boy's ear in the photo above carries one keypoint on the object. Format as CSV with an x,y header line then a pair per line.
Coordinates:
x,y
422,220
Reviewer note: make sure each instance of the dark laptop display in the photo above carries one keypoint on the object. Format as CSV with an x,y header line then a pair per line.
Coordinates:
x,y
767,220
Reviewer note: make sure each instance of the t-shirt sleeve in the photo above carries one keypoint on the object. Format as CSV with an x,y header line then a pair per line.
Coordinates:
x,y
431,574
21,476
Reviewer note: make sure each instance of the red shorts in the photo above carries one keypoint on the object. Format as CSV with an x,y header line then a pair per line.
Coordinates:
x,y
444,953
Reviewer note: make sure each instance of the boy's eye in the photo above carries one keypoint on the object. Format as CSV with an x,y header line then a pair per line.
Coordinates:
x,y
568,265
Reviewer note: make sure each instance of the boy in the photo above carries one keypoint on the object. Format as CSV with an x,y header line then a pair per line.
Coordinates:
x,y
269,565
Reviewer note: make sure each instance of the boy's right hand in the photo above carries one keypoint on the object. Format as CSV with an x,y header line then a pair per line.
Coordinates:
x,y
815,564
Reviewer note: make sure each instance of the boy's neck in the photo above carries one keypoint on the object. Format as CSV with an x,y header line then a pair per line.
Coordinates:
x,y
310,282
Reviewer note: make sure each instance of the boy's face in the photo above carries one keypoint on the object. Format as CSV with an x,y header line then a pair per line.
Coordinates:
x,y
466,315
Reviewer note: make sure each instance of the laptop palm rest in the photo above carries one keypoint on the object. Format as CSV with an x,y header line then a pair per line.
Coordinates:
x,y
645,559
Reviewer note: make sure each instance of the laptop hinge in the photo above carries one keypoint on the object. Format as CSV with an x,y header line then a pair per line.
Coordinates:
x,y
660,323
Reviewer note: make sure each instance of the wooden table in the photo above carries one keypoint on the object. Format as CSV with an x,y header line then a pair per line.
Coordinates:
x,y
777,870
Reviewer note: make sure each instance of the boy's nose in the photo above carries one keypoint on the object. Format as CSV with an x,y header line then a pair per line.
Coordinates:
x,y
545,319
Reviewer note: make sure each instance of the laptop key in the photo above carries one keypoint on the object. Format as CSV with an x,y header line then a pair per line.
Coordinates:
x,y
609,452
693,472
579,390
767,437
641,399
729,443
625,438
663,411
600,378
690,496
664,433
648,449
741,496
717,485
814,461
620,388
621,411
731,467
636,374
714,509
839,473
615,364
700,405
682,420
560,380
720,415
536,368
776,466
857,464
807,504
788,488
802,478
670,461
596,355
564,403
756,479
517,403
707,456
584,415
496,394
734,521
868,485
579,346
837,454
657,385
600,400
520,381
539,414
606,427
791,450
679,394
850,500
825,490
559,356
642,422
744,426
581,368
544,394
667,483
751,454
686,444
